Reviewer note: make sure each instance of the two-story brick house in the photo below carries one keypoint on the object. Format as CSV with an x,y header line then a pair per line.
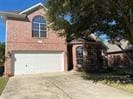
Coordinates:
x,y
33,47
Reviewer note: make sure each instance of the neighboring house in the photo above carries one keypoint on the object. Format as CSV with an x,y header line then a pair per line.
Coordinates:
x,y
33,47
116,57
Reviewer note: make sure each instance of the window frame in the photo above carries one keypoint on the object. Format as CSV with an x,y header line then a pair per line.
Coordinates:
x,y
91,51
39,28
91,56
78,57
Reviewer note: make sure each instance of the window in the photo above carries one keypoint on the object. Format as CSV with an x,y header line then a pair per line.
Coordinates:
x,y
92,61
91,56
39,27
79,52
91,51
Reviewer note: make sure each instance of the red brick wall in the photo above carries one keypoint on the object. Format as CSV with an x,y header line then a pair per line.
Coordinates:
x,y
118,60
19,38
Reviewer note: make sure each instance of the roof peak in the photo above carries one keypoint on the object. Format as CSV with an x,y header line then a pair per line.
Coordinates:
x,y
32,7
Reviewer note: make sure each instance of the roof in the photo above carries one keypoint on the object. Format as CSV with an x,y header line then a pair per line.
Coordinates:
x,y
32,8
22,14
93,39
82,40
12,14
114,48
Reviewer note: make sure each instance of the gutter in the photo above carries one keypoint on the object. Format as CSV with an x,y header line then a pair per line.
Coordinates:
x,y
6,15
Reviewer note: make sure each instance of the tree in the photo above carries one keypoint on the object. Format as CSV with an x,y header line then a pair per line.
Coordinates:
x,y
120,26
2,52
120,14
80,17
111,17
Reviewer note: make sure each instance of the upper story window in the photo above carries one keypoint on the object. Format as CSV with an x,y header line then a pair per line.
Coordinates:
x,y
39,27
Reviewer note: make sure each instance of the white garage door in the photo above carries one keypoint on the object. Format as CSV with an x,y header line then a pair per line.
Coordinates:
x,y
30,63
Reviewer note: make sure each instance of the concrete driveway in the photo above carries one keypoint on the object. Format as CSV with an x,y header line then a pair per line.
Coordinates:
x,y
59,86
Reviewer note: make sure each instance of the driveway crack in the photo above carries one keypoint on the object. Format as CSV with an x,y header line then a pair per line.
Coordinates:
x,y
59,88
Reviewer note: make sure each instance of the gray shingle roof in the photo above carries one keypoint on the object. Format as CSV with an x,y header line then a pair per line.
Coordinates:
x,y
115,48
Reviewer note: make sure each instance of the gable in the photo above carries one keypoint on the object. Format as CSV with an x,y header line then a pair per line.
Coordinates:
x,y
33,8
23,14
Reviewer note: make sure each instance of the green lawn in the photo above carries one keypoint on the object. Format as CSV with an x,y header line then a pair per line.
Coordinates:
x,y
3,82
116,81
126,87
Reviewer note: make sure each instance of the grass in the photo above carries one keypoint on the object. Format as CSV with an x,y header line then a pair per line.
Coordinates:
x,y
3,82
116,79
125,87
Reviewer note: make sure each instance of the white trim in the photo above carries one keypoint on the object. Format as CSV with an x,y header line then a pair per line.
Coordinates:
x,y
77,53
28,9
40,29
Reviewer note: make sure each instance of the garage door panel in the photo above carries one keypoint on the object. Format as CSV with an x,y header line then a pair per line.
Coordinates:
x,y
29,63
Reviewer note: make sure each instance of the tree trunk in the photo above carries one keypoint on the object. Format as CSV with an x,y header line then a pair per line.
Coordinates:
x,y
130,35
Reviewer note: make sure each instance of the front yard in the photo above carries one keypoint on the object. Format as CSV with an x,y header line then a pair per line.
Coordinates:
x,y
67,85
3,82
111,79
